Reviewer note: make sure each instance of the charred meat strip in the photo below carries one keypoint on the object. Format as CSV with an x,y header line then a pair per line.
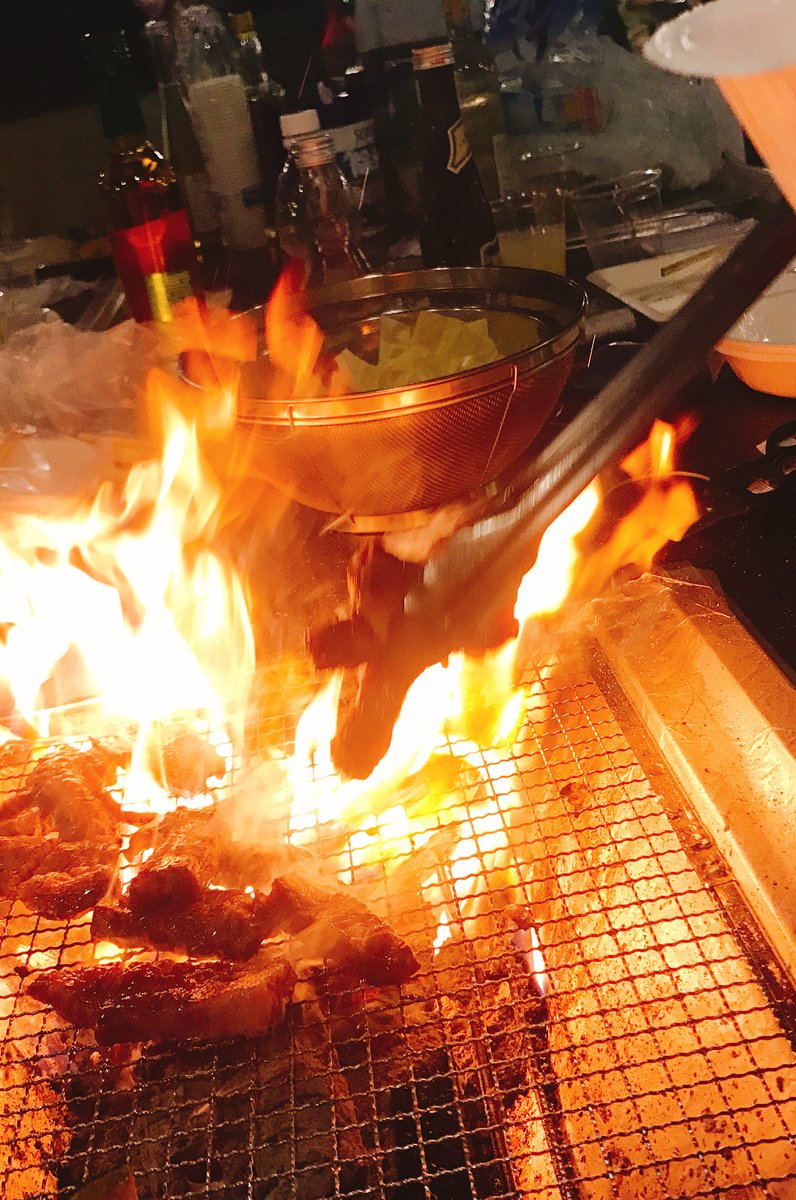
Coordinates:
x,y
144,1002
349,934
69,787
186,764
191,849
59,895
58,879
232,924
29,823
184,860
220,924
21,857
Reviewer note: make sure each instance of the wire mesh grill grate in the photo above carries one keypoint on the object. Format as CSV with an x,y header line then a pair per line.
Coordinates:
x,y
586,1023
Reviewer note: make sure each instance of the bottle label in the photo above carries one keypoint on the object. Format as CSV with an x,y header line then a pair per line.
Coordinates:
x,y
355,145
165,289
154,261
200,203
459,152
223,125
358,159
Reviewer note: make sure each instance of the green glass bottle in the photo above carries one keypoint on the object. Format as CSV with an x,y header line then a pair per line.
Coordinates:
x,y
458,229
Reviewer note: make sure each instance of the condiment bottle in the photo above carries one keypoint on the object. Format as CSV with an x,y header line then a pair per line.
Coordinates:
x,y
458,228
348,116
288,196
149,231
315,222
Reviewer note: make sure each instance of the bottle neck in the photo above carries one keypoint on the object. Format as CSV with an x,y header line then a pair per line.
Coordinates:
x,y
438,98
312,150
119,107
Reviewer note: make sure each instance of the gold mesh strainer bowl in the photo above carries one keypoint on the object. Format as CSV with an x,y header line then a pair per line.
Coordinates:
x,y
371,455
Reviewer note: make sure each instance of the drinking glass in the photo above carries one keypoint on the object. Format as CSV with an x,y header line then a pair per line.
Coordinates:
x,y
621,218
530,230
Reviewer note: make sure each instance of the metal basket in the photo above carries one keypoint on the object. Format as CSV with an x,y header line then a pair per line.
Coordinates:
x,y
375,454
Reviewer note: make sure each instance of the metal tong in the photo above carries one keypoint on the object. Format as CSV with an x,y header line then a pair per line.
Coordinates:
x,y
464,589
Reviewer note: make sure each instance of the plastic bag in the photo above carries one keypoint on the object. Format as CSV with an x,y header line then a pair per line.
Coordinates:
x,y
625,113
58,378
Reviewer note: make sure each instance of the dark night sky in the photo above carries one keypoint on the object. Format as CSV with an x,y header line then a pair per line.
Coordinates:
x,y
41,57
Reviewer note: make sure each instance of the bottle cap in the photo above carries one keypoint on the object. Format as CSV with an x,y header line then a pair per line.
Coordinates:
x,y
295,124
426,58
313,149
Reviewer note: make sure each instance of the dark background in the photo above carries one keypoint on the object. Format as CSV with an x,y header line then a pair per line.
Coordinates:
x,y
41,52
42,66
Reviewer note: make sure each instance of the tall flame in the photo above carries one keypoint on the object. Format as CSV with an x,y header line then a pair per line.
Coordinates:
x,y
127,599
475,707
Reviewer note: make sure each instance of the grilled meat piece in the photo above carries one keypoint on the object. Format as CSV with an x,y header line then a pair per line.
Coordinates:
x,y
60,895
232,924
349,933
69,787
58,879
23,857
20,857
29,823
184,861
220,924
193,848
166,882
185,765
144,1002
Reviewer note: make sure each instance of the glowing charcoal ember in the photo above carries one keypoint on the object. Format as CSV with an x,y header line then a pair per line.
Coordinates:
x,y
35,1131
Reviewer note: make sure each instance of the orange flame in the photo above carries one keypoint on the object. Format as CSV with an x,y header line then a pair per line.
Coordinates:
x,y
294,339
476,706
127,600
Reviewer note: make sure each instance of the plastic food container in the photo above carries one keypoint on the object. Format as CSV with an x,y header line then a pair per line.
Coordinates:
x,y
761,346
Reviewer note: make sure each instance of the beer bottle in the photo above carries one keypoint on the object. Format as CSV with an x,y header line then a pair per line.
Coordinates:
x,y
458,229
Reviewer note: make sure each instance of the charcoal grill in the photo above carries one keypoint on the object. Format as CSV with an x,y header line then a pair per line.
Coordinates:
x,y
634,1040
